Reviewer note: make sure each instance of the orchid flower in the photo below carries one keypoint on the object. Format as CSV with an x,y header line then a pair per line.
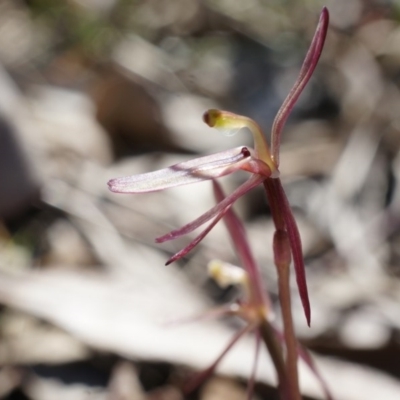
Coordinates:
x,y
254,307
260,163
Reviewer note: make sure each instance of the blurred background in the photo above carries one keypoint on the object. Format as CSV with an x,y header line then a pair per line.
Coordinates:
x,y
95,89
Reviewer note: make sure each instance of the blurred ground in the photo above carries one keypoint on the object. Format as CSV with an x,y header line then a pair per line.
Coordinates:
x,y
94,89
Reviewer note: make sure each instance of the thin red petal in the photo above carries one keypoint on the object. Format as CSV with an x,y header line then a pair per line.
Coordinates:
x,y
306,357
196,241
242,247
199,378
306,71
220,207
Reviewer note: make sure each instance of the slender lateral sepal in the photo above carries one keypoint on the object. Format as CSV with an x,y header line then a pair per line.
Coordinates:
x,y
241,244
305,355
306,71
196,241
198,379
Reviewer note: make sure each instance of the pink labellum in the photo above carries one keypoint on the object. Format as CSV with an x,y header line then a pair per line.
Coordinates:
x,y
219,208
197,170
306,71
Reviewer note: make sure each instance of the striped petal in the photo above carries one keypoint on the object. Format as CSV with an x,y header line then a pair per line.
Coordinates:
x,y
196,170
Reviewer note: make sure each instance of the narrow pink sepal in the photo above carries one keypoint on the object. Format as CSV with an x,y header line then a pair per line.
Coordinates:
x,y
220,207
297,252
191,171
241,245
199,378
196,241
305,355
306,71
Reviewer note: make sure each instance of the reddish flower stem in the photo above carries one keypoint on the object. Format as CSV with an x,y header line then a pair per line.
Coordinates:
x,y
282,262
282,256
284,220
